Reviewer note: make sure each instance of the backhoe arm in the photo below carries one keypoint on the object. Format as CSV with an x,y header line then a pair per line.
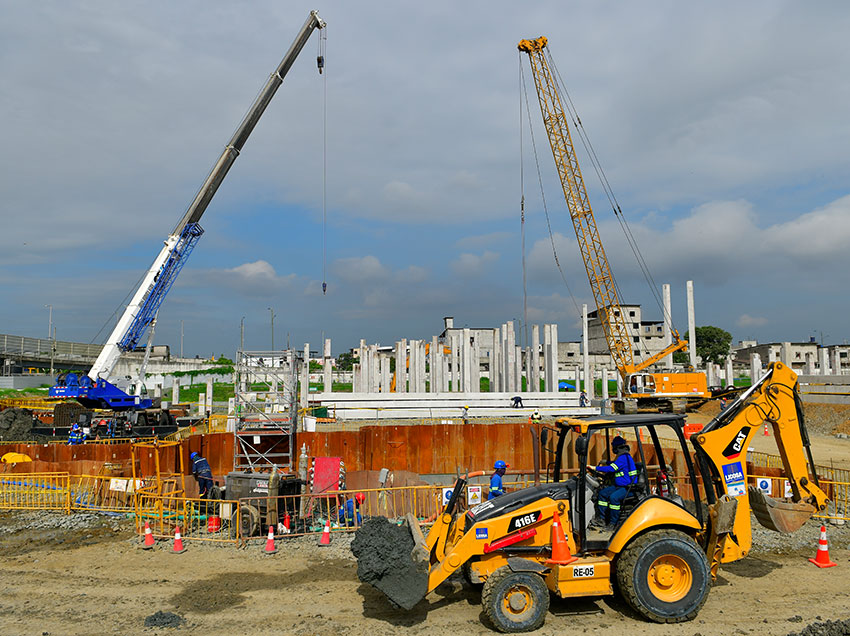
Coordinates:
x,y
722,447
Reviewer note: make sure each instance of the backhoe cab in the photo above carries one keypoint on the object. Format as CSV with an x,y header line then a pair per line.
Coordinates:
x,y
688,512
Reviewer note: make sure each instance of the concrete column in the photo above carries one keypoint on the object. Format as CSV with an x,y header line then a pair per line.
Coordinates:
x,y
400,363
175,390
518,368
202,404
824,360
576,380
413,366
455,360
208,406
556,354
709,374
692,325
157,390
496,362
771,354
476,366
423,376
535,358
619,385
585,354
526,365
755,367
432,365
327,370
667,361
604,383
375,369
355,377
785,355
510,348
810,364
446,361
305,376
730,372
385,374
836,361
466,362
437,361
547,356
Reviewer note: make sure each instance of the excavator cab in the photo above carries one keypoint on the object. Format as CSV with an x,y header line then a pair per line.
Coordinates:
x,y
641,384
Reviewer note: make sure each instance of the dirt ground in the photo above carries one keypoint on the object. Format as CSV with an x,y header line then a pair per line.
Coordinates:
x,y
96,580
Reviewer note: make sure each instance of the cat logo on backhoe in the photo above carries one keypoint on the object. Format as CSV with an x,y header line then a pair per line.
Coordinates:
x,y
737,445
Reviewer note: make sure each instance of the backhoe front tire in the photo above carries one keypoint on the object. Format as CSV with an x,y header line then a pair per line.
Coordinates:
x,y
664,576
515,601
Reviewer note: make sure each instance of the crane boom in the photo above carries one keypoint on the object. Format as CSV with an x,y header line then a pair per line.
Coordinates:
x,y
599,274
160,276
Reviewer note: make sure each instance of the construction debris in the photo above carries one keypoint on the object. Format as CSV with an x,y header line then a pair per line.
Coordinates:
x,y
15,425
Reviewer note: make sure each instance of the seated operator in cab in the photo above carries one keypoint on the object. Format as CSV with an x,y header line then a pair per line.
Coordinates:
x,y
610,498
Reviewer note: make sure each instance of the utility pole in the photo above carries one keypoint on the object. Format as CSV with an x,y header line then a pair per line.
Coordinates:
x,y
242,334
52,348
181,338
272,314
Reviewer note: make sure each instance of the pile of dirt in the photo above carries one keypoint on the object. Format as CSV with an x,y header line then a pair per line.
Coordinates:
x,y
827,419
164,619
828,628
16,425
384,559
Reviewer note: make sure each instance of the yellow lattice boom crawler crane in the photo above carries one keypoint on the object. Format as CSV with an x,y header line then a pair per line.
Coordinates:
x,y
673,533
668,391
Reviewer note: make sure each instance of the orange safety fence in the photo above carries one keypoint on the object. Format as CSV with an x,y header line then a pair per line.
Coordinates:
x,y
35,491
198,519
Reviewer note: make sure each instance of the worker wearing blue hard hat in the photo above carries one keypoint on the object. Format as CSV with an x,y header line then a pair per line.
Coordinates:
x,y
496,488
203,474
610,498
75,436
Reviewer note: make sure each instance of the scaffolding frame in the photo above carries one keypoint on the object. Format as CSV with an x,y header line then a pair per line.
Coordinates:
x,y
265,409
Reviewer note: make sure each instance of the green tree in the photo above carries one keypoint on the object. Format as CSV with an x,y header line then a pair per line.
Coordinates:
x,y
712,345
345,361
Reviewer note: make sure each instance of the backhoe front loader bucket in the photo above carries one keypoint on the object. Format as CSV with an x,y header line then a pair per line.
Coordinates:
x,y
393,558
777,514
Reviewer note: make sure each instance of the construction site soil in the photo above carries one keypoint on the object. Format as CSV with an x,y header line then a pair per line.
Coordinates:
x,y
85,574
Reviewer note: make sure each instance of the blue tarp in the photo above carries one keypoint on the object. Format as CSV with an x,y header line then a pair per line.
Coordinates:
x,y
565,385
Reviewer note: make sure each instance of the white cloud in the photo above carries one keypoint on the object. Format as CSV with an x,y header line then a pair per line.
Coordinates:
x,y
474,265
745,320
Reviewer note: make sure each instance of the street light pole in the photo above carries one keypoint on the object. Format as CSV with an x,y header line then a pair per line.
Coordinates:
x,y
52,349
181,338
272,314
49,321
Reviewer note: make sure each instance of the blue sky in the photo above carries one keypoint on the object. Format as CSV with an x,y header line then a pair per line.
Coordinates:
x,y
722,127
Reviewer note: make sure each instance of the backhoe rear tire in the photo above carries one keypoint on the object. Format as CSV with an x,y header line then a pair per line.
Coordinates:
x,y
664,576
515,601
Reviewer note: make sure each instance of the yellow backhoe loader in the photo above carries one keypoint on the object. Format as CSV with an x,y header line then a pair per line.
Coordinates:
x,y
674,530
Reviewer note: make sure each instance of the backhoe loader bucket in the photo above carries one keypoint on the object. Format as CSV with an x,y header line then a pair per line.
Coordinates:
x,y
777,514
393,558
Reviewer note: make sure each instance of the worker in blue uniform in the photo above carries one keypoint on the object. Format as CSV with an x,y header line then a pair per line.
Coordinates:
x,y
610,498
350,512
496,487
203,474
75,436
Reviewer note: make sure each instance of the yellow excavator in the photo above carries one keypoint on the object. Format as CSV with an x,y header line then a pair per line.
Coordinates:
x,y
674,531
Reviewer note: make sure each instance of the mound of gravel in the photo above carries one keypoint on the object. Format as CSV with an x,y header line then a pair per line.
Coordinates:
x,y
15,425
384,559
828,628
164,619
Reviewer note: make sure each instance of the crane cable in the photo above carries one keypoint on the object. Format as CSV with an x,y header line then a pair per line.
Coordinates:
x,y
320,62
522,215
609,193
542,192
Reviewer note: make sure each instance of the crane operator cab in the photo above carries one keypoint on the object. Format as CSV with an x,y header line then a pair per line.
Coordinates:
x,y
641,383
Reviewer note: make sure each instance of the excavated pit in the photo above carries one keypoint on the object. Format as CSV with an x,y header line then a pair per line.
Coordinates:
x,y
389,559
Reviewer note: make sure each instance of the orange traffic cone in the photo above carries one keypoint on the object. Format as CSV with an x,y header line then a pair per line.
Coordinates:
x,y
287,528
149,540
270,549
325,539
560,548
178,542
822,558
